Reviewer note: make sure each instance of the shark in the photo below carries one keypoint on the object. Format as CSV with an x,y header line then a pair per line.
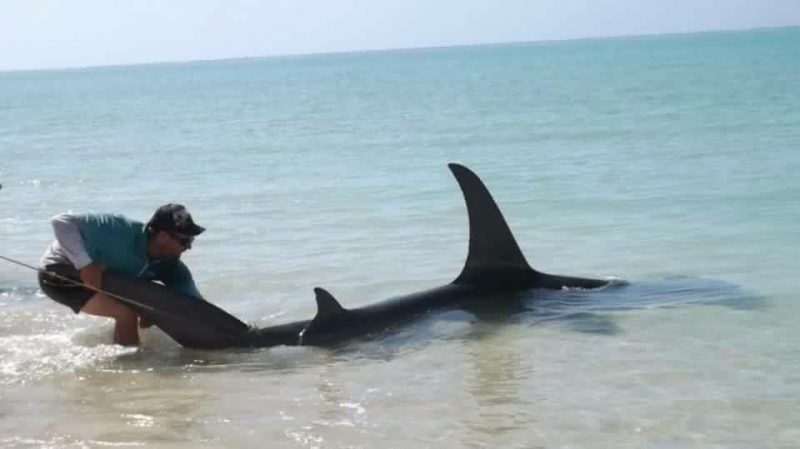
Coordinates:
x,y
495,271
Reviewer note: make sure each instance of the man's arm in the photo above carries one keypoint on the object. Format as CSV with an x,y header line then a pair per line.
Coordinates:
x,y
65,228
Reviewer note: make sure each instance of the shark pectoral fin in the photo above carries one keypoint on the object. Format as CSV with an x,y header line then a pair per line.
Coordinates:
x,y
494,256
327,306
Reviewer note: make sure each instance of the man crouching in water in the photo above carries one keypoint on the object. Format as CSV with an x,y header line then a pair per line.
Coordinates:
x,y
87,245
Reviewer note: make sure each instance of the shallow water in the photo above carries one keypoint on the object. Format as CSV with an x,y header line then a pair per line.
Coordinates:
x,y
669,162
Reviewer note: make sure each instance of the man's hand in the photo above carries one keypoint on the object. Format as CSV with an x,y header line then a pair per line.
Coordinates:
x,y
92,275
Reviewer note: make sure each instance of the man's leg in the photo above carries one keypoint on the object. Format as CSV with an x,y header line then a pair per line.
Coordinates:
x,y
125,327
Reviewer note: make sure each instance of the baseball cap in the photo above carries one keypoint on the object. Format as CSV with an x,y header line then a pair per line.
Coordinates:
x,y
175,218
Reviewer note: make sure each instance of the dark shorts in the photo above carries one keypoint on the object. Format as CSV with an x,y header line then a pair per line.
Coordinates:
x,y
63,292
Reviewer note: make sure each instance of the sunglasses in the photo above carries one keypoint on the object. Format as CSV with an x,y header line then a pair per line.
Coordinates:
x,y
184,240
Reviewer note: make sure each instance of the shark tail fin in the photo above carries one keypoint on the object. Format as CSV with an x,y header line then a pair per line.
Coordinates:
x,y
494,256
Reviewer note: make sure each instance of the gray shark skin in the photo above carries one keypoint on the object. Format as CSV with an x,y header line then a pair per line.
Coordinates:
x,y
495,269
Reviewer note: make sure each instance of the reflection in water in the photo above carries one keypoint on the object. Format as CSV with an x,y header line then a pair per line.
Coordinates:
x,y
494,386
591,323
330,396
329,409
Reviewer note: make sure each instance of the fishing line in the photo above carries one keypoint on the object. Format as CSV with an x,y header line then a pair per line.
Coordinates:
x,y
113,295
81,284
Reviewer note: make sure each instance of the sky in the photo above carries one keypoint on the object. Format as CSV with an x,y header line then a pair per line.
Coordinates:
x,y
41,34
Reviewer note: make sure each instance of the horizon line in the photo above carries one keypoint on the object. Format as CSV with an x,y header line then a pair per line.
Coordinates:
x,y
396,49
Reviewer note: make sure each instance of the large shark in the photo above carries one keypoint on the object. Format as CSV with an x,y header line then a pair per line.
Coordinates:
x,y
495,270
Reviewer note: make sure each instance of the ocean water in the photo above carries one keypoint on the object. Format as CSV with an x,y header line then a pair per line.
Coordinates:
x,y
671,162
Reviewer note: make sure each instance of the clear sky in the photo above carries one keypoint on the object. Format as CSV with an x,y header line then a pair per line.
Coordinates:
x,y
75,33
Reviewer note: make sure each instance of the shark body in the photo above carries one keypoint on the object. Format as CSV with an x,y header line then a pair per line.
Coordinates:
x,y
495,269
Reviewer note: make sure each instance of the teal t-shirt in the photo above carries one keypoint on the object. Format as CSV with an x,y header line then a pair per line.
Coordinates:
x,y
121,245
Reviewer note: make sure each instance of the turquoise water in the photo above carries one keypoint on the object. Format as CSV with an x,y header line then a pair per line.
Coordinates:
x,y
668,161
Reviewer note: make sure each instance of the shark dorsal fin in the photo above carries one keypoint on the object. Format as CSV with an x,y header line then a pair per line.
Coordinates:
x,y
327,306
494,256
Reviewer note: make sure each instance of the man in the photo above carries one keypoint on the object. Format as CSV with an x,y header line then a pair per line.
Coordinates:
x,y
87,245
